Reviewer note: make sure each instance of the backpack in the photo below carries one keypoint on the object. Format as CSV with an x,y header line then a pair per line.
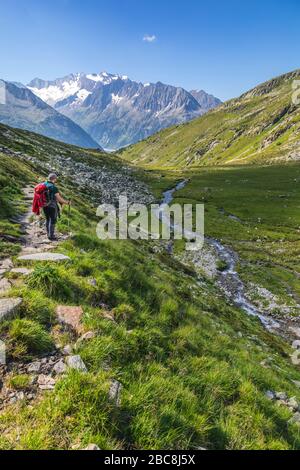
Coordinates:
x,y
42,198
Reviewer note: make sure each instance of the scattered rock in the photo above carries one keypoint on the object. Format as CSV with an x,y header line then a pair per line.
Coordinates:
x,y
295,419
296,344
295,330
75,362
281,396
114,393
93,282
44,257
70,316
92,447
45,382
7,264
34,367
22,271
8,307
297,383
60,368
270,395
87,336
293,404
67,350
5,286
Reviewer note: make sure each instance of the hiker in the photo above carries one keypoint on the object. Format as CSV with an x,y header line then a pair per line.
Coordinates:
x,y
52,210
47,198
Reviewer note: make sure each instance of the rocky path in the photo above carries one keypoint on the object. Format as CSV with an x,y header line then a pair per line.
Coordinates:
x,y
42,373
35,248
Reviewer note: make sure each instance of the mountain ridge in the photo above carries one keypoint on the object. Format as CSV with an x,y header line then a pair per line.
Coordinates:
x,y
117,111
23,109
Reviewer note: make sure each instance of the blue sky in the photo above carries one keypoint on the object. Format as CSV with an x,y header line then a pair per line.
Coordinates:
x,y
224,47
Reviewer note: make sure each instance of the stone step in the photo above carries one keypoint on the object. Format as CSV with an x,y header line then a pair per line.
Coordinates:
x,y
22,271
8,307
5,286
44,257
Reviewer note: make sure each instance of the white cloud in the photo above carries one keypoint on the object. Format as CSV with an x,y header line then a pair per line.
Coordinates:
x,y
148,38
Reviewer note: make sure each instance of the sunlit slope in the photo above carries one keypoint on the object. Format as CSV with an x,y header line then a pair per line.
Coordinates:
x,y
261,126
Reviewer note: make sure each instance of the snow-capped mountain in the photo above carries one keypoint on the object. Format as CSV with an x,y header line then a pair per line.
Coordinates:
x,y
23,109
115,110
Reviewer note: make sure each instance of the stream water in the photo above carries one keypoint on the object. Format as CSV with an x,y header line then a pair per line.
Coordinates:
x,y
229,279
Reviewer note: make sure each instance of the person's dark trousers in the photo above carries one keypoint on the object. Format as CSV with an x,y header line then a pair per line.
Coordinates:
x,y
51,219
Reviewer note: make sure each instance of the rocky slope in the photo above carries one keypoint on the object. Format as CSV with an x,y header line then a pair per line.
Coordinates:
x,y
23,109
117,111
261,126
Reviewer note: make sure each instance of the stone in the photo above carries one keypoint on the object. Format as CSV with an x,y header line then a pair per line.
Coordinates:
x,y
87,336
297,383
92,447
5,286
281,396
22,271
67,350
295,419
293,404
34,367
296,344
75,362
295,330
114,393
44,257
70,316
8,307
270,395
93,282
60,368
45,382
7,264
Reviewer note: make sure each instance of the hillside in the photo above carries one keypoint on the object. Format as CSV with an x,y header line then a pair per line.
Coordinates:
x,y
169,361
23,109
117,111
261,126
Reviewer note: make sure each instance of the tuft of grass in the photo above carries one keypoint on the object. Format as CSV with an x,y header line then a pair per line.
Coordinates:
x,y
19,382
29,337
